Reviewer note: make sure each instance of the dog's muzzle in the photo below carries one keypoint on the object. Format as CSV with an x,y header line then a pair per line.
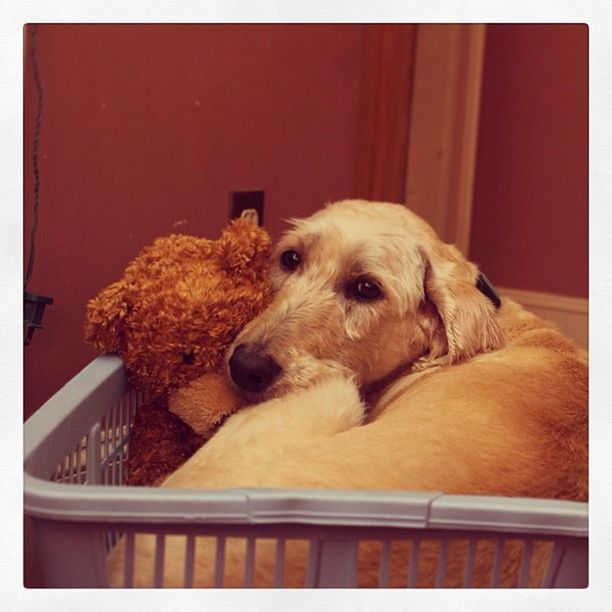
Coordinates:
x,y
251,369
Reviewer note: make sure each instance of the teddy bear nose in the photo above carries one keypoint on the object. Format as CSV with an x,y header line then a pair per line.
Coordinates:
x,y
252,370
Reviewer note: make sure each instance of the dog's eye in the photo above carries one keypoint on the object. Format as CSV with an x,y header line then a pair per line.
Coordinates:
x,y
290,260
364,289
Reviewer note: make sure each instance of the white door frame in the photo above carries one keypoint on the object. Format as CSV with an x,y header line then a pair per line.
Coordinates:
x,y
443,138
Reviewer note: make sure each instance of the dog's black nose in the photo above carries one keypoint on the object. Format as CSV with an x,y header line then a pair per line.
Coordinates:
x,y
252,370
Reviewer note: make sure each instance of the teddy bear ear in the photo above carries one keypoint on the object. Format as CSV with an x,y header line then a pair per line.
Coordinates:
x,y
104,317
242,243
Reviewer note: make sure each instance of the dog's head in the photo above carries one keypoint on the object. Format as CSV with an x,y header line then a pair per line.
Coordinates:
x,y
363,288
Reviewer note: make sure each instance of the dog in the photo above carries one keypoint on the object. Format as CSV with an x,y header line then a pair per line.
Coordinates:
x,y
387,361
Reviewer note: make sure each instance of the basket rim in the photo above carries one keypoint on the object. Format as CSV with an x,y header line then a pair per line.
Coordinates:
x,y
44,499
252,506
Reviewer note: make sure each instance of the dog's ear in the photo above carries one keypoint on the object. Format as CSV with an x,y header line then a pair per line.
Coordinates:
x,y
467,314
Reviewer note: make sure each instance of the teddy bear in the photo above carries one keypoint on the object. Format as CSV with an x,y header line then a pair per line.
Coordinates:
x,y
171,317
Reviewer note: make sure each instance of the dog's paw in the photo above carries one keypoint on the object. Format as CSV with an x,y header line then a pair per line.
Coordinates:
x,y
323,409
304,370
329,406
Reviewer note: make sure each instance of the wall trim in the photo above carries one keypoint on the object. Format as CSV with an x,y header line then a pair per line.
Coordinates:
x,y
550,301
570,313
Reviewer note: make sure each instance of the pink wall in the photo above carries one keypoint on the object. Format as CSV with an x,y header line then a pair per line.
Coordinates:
x,y
147,128
530,219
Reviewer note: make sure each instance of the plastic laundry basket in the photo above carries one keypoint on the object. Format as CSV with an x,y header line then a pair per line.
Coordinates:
x,y
76,447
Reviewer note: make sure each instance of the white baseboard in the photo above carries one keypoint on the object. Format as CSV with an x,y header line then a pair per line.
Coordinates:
x,y
571,314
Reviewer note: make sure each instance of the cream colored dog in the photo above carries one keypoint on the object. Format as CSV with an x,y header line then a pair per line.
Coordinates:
x,y
381,365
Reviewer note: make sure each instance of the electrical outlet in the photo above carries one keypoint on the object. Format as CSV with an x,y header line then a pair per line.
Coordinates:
x,y
239,201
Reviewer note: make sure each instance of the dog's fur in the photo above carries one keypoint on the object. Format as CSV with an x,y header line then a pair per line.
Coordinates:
x,y
428,387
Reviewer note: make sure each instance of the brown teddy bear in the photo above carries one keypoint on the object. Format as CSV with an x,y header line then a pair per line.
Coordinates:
x,y
171,317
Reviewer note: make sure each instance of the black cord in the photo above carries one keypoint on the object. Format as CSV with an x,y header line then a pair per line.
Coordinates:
x,y
35,147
